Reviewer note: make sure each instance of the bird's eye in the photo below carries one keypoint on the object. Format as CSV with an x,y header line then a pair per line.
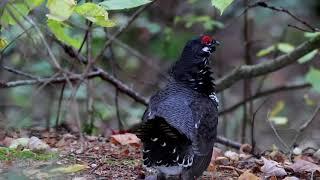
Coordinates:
x,y
206,40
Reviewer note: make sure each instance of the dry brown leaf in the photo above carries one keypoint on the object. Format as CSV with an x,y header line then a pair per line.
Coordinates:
x,y
245,149
272,168
248,176
125,139
301,166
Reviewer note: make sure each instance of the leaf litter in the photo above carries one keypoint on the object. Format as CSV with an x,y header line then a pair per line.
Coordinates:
x,y
119,157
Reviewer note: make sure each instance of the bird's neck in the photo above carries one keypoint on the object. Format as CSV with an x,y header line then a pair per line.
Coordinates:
x,y
196,76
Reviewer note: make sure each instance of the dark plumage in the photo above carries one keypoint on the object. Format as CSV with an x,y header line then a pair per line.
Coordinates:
x,y
179,125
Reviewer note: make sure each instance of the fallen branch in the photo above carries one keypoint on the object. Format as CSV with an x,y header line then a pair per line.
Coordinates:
x,y
227,142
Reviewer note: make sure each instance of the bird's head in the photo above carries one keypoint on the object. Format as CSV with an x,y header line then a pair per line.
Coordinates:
x,y
199,48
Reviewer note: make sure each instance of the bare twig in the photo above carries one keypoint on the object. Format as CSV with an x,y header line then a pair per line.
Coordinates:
x,y
253,141
276,132
265,93
18,72
123,28
299,28
228,142
305,125
281,9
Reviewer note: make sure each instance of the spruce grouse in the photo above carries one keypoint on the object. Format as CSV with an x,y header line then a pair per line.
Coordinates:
x,y
179,126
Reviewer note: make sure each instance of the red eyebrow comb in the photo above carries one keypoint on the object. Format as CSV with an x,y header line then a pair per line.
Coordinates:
x,y
206,39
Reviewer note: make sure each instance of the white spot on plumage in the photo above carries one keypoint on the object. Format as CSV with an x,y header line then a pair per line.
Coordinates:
x,y
174,150
158,162
146,151
196,125
164,144
206,49
154,139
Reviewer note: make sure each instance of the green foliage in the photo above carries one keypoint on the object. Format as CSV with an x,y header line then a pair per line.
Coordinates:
x,y
308,56
221,4
285,47
3,43
282,47
60,10
206,21
60,30
8,154
21,96
266,51
311,35
122,4
18,9
313,77
95,14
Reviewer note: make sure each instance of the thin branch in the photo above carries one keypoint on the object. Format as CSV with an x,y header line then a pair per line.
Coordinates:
x,y
228,142
281,9
253,141
306,124
250,71
18,72
265,93
275,131
123,28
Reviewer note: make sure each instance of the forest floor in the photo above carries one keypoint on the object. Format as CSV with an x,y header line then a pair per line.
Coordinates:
x,y
60,155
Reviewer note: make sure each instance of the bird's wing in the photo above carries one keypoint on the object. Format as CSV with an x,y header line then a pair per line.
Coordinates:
x,y
193,116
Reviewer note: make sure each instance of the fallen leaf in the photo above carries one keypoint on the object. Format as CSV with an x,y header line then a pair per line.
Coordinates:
x,y
222,161
248,176
301,166
291,178
69,169
272,168
125,139
35,144
245,149
23,142
232,155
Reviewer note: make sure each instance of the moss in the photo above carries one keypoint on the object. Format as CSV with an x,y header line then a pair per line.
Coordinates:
x,y
7,154
118,162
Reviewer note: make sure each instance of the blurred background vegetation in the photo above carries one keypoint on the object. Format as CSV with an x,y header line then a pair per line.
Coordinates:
x,y
141,56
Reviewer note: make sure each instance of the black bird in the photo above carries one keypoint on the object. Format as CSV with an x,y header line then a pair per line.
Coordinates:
x,y
179,126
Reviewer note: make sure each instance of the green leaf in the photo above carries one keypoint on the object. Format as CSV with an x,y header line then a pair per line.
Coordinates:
x,y
279,120
60,30
3,43
266,51
308,56
285,47
221,4
311,34
313,77
277,108
60,10
69,169
18,8
123,4
95,14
